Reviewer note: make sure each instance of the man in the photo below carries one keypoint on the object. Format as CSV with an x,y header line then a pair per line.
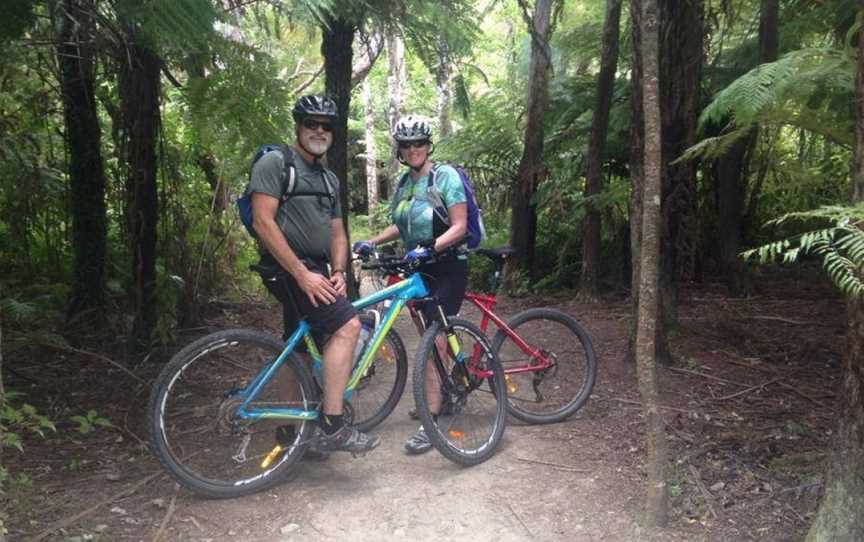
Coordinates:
x,y
302,233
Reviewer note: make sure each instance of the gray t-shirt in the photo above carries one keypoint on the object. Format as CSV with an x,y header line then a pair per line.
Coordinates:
x,y
304,219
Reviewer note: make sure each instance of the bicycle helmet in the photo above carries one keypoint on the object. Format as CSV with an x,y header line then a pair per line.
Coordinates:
x,y
412,128
317,106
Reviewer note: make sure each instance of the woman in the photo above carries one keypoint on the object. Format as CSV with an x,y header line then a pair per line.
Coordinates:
x,y
415,219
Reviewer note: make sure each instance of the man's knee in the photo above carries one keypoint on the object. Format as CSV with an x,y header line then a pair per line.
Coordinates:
x,y
350,330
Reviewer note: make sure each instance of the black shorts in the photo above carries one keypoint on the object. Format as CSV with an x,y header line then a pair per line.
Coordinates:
x,y
447,282
325,319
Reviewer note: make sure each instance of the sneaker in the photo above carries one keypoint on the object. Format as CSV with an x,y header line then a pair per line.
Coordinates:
x,y
418,443
285,437
446,410
347,439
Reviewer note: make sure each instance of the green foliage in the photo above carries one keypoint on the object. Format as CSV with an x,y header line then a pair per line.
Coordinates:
x,y
804,88
840,244
18,17
16,419
90,421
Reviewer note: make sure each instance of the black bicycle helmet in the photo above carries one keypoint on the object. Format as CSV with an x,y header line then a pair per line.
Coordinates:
x,y
314,106
412,128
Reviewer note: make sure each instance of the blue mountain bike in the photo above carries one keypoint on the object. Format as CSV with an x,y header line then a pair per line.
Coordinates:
x,y
233,412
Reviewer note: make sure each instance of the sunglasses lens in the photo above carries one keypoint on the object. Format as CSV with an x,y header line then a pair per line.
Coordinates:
x,y
415,144
311,124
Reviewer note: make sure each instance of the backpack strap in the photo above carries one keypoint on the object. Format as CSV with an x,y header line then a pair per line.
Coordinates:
x,y
434,197
289,177
289,172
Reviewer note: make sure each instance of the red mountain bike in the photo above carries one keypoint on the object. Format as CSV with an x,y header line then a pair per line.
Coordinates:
x,y
549,362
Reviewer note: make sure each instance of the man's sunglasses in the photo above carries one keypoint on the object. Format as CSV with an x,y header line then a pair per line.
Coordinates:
x,y
415,144
312,124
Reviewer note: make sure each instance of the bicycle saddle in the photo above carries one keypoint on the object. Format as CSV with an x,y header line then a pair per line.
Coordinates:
x,y
496,254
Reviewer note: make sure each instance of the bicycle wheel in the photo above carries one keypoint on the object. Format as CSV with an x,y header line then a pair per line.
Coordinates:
x,y
193,428
471,431
551,394
380,388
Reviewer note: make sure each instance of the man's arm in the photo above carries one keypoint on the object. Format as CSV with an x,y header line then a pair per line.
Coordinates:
x,y
264,208
338,255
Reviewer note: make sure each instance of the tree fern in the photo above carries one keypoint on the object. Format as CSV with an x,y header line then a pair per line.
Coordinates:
x,y
840,245
796,78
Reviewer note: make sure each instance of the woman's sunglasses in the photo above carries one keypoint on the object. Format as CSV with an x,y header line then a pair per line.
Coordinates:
x,y
312,124
415,144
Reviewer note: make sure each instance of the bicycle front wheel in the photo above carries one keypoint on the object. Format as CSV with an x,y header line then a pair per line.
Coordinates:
x,y
195,432
471,381
551,374
383,383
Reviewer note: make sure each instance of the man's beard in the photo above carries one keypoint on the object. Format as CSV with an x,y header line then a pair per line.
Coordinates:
x,y
317,148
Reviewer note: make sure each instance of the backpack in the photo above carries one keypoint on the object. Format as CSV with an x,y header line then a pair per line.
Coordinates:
x,y
475,231
289,173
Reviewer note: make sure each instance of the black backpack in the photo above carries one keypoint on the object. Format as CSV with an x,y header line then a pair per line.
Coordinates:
x,y
289,182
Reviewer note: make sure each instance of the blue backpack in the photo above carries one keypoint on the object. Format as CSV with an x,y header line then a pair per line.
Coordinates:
x,y
289,178
475,231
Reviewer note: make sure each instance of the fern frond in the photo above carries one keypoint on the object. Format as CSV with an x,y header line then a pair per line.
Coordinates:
x,y
789,82
18,311
840,246
712,148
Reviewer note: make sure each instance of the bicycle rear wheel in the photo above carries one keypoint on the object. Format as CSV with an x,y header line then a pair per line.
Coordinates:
x,y
194,431
381,387
473,384
551,394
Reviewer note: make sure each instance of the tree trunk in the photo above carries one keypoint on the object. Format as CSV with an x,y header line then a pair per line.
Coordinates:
x,y
680,75
395,87
86,172
336,48
443,71
139,87
637,141
591,228
523,224
841,514
371,168
656,501
731,172
2,406
371,48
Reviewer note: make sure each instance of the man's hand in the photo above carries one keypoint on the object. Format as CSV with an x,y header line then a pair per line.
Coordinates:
x,y
317,287
337,279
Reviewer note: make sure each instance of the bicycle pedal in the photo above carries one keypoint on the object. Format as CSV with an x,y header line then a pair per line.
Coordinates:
x,y
270,457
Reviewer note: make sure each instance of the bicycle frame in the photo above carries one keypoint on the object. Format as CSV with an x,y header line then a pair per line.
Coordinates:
x,y
485,303
401,292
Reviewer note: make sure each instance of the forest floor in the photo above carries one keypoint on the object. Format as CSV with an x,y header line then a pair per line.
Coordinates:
x,y
749,408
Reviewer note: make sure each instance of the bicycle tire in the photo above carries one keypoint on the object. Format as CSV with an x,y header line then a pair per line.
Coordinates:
x,y
190,415
392,374
565,394
470,406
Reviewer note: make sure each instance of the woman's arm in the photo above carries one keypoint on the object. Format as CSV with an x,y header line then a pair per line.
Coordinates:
x,y
458,215
390,233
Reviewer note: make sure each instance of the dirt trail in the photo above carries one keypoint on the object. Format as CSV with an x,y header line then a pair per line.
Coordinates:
x,y
552,483
748,412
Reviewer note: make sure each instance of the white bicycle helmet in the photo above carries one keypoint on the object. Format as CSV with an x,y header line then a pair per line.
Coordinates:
x,y
413,128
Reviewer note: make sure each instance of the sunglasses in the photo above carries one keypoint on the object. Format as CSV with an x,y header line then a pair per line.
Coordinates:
x,y
312,124
414,144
